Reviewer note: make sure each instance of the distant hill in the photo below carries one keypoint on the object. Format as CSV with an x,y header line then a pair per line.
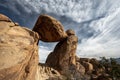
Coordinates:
x,y
118,60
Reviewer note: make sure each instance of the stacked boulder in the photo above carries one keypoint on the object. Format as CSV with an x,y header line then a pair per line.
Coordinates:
x,y
63,57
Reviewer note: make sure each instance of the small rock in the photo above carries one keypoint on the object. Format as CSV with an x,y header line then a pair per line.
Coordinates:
x,y
70,32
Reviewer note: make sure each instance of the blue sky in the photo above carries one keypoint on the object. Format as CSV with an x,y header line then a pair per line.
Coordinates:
x,y
96,22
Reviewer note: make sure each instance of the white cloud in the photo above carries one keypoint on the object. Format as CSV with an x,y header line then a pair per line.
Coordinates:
x,y
43,53
100,17
107,43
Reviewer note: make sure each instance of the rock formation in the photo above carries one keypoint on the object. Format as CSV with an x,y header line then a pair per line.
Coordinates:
x,y
49,29
63,56
18,51
47,73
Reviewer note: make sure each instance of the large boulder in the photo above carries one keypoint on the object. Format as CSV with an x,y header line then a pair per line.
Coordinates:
x,y
18,51
49,29
63,58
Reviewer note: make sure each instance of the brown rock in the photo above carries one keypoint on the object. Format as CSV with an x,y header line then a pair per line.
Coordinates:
x,y
18,52
63,56
94,62
104,77
49,29
80,68
84,60
98,68
77,58
88,67
70,32
4,18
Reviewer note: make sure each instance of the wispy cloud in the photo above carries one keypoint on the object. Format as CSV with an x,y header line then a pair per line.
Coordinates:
x,y
96,22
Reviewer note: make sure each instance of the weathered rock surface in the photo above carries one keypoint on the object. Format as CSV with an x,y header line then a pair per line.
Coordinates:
x,y
47,73
88,67
49,29
63,55
18,51
70,32
4,18
63,58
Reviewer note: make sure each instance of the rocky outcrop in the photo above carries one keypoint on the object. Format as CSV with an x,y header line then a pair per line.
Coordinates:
x,y
18,51
49,29
63,56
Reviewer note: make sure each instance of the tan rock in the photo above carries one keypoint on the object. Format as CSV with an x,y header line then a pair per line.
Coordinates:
x,y
49,29
4,18
18,52
47,73
70,32
77,58
63,56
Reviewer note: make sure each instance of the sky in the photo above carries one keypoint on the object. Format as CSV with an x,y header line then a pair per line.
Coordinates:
x,y
96,23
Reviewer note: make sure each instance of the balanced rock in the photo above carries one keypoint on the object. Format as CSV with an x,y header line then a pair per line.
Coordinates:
x,y
63,57
49,29
18,52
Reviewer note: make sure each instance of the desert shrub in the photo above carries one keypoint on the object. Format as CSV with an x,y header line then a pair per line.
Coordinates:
x,y
111,67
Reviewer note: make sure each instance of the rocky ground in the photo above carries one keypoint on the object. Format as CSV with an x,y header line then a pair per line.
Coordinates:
x,y
19,53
